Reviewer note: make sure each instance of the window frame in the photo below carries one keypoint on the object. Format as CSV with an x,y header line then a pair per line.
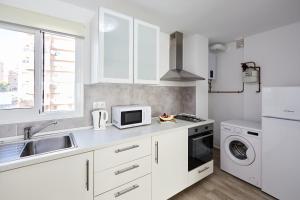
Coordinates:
x,y
20,115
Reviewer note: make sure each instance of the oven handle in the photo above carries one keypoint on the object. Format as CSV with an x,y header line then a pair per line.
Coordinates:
x,y
198,138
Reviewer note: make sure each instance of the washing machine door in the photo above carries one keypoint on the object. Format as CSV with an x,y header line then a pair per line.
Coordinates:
x,y
239,150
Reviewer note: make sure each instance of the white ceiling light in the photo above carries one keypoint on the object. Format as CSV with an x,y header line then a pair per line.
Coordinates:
x,y
217,47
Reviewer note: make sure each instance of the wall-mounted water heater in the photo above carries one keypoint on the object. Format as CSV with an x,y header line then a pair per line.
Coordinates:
x,y
212,66
214,49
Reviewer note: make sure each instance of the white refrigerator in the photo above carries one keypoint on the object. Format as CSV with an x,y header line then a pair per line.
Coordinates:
x,y
281,142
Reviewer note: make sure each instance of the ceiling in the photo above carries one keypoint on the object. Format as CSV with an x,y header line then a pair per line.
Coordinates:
x,y
219,20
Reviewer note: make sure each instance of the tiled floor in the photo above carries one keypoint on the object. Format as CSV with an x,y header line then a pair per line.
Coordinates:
x,y
221,186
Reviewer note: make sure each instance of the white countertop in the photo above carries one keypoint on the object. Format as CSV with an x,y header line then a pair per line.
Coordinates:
x,y
89,140
254,125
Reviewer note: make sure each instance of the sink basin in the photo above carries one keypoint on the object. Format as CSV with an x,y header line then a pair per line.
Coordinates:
x,y
47,145
17,150
11,151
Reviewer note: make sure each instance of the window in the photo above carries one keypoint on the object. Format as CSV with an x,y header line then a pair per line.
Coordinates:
x,y
16,69
59,73
39,75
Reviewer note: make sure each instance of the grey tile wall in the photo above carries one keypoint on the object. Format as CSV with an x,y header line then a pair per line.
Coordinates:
x,y
161,98
8,130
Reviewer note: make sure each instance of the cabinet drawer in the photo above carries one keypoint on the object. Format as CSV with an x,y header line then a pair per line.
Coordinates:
x,y
139,189
201,172
119,154
114,177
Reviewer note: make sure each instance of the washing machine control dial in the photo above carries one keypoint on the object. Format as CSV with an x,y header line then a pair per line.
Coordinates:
x,y
238,130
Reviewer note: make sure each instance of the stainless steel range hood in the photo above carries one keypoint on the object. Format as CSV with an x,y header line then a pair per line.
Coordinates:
x,y
176,72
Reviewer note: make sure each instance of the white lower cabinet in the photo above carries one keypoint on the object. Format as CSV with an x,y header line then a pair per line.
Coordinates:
x,y
154,168
200,172
113,156
117,166
114,177
68,178
139,189
169,163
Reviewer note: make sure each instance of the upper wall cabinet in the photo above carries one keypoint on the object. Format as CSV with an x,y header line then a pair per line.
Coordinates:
x,y
128,49
146,53
116,47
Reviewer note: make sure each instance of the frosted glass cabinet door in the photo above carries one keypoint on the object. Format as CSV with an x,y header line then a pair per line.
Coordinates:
x,y
116,47
146,53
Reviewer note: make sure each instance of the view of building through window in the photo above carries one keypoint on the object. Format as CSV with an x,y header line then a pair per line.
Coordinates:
x,y
16,69
59,73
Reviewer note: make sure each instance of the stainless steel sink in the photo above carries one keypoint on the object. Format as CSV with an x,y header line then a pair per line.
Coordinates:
x,y
11,151
42,145
47,145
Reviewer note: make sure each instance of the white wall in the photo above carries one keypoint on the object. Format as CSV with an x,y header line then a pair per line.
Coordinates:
x,y
54,8
276,51
224,107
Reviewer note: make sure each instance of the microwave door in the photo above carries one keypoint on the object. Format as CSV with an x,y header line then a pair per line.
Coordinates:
x,y
131,117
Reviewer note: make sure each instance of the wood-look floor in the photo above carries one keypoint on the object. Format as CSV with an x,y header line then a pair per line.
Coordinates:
x,y
221,186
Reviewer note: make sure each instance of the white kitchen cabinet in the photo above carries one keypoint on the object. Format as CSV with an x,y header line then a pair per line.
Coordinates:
x,y
121,175
67,179
128,50
146,53
122,153
169,163
200,173
139,189
116,47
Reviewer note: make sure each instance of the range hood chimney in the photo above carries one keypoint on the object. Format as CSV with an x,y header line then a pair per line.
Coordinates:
x,y
176,72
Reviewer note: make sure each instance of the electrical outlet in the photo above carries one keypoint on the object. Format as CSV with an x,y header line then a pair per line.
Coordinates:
x,y
99,105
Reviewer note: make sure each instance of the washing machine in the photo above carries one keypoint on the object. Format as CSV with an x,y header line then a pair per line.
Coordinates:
x,y
240,147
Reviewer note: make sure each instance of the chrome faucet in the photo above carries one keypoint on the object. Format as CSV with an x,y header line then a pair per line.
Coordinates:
x,y
30,131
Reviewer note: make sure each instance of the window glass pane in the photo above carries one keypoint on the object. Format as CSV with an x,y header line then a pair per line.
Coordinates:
x,y
16,69
59,73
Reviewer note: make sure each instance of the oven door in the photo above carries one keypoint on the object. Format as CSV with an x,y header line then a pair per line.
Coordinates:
x,y
132,117
200,149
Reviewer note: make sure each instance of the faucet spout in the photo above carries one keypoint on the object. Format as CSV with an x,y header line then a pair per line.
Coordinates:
x,y
30,131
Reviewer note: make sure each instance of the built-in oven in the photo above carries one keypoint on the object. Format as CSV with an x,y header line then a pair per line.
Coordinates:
x,y
200,147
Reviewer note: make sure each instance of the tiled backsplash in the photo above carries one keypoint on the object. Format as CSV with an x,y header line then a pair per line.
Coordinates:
x,y
161,98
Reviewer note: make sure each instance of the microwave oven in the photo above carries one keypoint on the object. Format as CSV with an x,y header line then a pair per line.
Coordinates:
x,y
130,116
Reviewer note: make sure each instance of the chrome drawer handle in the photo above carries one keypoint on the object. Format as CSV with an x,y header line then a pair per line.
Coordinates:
x,y
126,169
156,152
127,148
288,111
126,190
87,184
200,171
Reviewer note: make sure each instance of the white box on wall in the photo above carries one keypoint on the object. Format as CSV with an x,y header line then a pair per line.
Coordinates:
x,y
212,66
